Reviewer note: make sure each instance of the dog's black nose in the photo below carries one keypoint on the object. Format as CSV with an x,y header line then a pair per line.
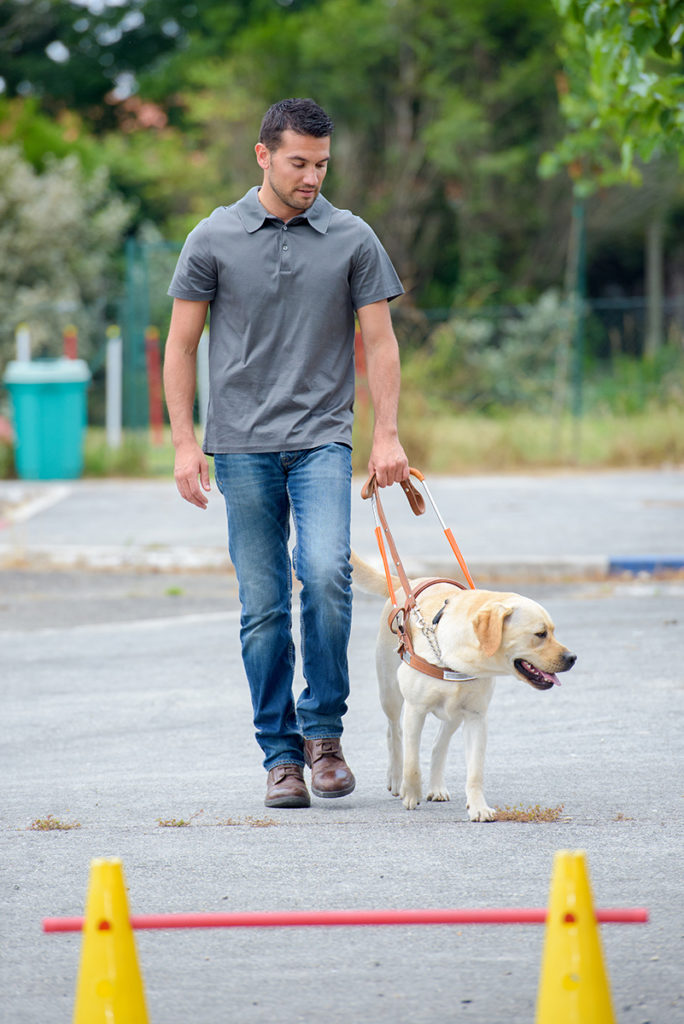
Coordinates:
x,y
569,660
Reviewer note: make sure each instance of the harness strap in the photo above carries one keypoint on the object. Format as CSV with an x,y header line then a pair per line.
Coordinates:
x,y
400,616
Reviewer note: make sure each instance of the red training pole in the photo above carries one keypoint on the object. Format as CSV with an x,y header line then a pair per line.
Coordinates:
x,y
70,342
328,918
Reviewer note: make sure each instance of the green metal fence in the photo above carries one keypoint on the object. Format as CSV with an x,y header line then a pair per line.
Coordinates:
x,y
149,268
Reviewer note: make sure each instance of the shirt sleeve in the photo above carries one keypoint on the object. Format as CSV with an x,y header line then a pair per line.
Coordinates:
x,y
195,276
373,276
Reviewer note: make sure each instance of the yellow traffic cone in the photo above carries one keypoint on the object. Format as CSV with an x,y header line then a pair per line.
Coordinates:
x,y
574,985
110,987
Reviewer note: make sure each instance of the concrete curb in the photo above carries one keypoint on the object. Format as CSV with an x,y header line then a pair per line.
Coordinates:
x,y
182,558
110,557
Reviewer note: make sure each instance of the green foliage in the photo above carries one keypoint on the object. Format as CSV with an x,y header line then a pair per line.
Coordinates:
x,y
39,136
622,93
627,385
439,440
441,109
58,231
74,54
179,173
478,362
6,459
130,459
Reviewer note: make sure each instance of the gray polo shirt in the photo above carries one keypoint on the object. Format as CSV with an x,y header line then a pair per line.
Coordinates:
x,y
281,336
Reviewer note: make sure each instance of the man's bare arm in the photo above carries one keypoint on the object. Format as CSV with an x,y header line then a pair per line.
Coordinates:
x,y
180,380
387,460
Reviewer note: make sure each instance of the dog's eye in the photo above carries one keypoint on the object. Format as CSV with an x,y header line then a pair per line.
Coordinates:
x,y
542,634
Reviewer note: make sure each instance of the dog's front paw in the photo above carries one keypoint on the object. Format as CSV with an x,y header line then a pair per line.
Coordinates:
x,y
481,812
410,797
393,784
439,794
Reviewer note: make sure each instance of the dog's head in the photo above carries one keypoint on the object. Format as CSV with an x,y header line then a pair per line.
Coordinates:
x,y
518,631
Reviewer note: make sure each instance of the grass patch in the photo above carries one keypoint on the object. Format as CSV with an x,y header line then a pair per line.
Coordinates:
x,y
535,814
6,460
52,824
518,441
131,459
439,440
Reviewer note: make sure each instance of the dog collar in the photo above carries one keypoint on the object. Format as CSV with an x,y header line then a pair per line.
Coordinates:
x,y
398,621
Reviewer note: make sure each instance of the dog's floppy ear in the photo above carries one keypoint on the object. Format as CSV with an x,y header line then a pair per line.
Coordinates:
x,y
488,624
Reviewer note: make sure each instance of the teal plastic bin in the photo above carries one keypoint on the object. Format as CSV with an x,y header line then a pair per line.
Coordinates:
x,y
50,415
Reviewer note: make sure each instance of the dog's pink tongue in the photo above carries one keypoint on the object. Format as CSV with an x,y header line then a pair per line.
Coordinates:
x,y
549,677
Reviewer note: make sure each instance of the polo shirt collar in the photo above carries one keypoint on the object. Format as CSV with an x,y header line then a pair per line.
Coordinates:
x,y
253,215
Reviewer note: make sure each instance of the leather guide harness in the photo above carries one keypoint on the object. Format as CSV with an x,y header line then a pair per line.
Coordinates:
x,y
399,615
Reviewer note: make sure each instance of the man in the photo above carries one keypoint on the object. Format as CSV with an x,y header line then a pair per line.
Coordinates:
x,y
284,272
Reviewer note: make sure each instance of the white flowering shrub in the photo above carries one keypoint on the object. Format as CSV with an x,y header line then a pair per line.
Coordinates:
x,y
59,230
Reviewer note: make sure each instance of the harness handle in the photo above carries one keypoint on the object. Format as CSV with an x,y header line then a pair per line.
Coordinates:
x,y
399,614
415,498
417,503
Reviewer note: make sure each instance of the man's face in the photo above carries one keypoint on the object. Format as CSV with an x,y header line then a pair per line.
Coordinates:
x,y
293,173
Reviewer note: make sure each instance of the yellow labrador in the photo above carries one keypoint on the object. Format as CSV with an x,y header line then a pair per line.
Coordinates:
x,y
480,633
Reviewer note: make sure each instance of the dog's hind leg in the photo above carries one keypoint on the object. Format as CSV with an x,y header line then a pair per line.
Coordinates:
x,y
410,793
475,742
438,790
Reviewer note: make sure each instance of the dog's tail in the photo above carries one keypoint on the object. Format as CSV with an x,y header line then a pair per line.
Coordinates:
x,y
369,579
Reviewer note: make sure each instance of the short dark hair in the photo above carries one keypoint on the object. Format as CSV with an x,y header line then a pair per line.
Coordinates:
x,y
301,116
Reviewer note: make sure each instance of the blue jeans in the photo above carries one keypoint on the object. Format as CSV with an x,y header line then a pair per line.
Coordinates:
x,y
260,491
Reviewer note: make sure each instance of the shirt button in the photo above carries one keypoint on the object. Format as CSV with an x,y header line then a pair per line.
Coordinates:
x,y
284,248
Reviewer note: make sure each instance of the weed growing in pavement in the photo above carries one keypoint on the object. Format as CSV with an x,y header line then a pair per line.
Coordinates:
x,y
178,822
534,814
184,823
52,824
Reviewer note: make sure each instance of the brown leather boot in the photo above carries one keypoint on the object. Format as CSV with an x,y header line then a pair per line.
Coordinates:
x,y
285,787
330,774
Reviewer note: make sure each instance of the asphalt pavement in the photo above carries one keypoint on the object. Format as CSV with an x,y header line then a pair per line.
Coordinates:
x,y
125,713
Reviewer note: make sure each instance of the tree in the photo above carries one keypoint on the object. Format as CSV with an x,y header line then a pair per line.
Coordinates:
x,y
73,54
441,112
621,90
622,96
442,108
